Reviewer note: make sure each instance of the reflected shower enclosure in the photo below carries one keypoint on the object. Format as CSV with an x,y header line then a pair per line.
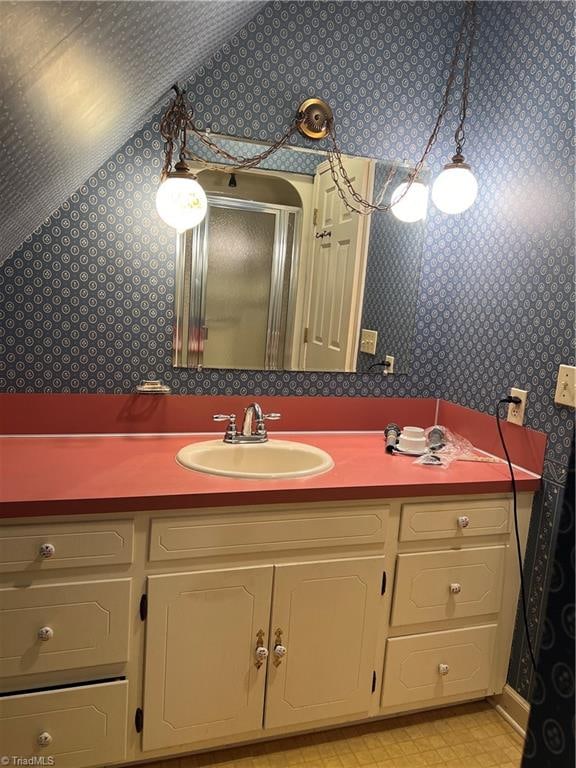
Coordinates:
x,y
235,305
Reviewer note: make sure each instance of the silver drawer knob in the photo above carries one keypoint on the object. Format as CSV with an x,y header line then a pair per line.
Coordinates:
x,y
443,669
463,521
47,550
46,633
44,739
455,589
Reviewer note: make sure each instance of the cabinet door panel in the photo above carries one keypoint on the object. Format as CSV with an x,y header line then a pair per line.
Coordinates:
x,y
201,680
328,614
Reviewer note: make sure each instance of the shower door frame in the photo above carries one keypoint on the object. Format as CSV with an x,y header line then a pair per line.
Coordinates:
x,y
190,330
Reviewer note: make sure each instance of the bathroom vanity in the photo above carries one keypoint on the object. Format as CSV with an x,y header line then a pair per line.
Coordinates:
x,y
134,629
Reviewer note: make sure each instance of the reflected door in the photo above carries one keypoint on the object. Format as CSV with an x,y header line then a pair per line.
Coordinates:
x,y
337,271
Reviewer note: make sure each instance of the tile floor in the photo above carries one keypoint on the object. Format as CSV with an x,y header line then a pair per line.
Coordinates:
x,y
468,736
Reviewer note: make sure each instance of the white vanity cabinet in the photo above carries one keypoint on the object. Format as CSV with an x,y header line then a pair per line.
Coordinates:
x,y
176,631
300,637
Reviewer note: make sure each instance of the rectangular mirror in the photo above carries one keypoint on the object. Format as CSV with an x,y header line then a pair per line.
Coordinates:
x,y
280,275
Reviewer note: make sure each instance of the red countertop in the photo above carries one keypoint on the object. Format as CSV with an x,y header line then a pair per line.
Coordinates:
x,y
78,475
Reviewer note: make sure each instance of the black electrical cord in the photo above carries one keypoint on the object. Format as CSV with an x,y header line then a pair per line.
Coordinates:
x,y
516,401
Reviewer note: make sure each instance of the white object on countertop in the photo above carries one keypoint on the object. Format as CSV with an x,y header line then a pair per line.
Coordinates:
x,y
412,439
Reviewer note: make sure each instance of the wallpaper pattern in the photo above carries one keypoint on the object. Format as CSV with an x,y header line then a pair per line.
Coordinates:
x,y
86,301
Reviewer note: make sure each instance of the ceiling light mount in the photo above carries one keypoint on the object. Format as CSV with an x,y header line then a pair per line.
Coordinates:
x,y
314,119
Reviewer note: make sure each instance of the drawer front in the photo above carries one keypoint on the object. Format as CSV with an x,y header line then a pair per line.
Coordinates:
x,y
428,668
39,547
63,626
208,534
454,519
75,727
454,584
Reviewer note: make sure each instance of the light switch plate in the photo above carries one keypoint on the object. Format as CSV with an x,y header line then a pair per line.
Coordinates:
x,y
516,411
566,386
368,341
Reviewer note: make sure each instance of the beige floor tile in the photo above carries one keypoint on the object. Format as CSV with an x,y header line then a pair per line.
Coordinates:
x,y
469,736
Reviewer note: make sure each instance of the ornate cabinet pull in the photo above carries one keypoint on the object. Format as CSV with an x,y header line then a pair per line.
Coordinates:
x,y
279,650
261,652
443,669
455,588
463,521
323,234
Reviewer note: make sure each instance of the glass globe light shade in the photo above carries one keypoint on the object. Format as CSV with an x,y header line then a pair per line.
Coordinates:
x,y
412,205
456,187
180,200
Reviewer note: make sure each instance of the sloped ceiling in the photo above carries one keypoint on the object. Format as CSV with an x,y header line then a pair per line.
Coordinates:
x,y
77,79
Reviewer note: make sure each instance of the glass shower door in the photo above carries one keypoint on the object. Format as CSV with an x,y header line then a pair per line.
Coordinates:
x,y
240,259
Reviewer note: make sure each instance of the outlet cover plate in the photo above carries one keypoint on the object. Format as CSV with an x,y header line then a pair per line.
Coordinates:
x,y
566,386
516,412
389,368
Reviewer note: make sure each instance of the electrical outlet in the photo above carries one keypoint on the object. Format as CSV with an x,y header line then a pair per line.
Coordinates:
x,y
516,411
368,341
389,368
566,386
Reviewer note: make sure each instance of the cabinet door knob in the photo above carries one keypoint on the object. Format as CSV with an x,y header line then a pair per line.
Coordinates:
x,y
47,550
260,652
261,655
463,521
44,739
280,651
455,588
46,633
443,669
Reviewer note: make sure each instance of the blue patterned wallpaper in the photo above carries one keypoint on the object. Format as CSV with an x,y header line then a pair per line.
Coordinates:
x,y
87,298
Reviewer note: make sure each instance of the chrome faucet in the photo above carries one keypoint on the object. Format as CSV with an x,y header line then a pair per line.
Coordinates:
x,y
247,434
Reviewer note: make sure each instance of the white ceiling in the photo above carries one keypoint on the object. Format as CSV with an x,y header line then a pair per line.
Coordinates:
x,y
77,79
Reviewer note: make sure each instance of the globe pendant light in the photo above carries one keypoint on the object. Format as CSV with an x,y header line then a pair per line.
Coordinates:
x,y
456,187
409,201
180,201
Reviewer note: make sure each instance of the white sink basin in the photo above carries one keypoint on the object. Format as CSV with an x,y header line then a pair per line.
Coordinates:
x,y
274,459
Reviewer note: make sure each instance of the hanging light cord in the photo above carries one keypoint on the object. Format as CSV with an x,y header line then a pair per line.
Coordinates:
x,y
337,169
518,547
178,121
459,135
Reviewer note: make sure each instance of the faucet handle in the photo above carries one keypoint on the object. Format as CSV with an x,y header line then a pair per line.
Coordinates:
x,y
231,431
224,417
272,416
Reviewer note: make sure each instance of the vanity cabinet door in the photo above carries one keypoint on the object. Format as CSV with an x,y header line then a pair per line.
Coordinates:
x,y
325,619
201,680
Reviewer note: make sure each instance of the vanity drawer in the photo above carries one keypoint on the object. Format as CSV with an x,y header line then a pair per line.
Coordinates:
x,y
63,626
45,546
454,519
74,726
428,668
453,584
209,533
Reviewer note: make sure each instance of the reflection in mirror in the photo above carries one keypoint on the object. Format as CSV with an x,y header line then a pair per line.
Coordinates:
x,y
282,276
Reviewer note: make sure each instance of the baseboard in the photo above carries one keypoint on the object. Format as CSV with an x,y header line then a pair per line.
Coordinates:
x,y
513,708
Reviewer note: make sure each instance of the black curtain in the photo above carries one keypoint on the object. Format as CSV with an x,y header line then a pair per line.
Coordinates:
x,y
550,738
